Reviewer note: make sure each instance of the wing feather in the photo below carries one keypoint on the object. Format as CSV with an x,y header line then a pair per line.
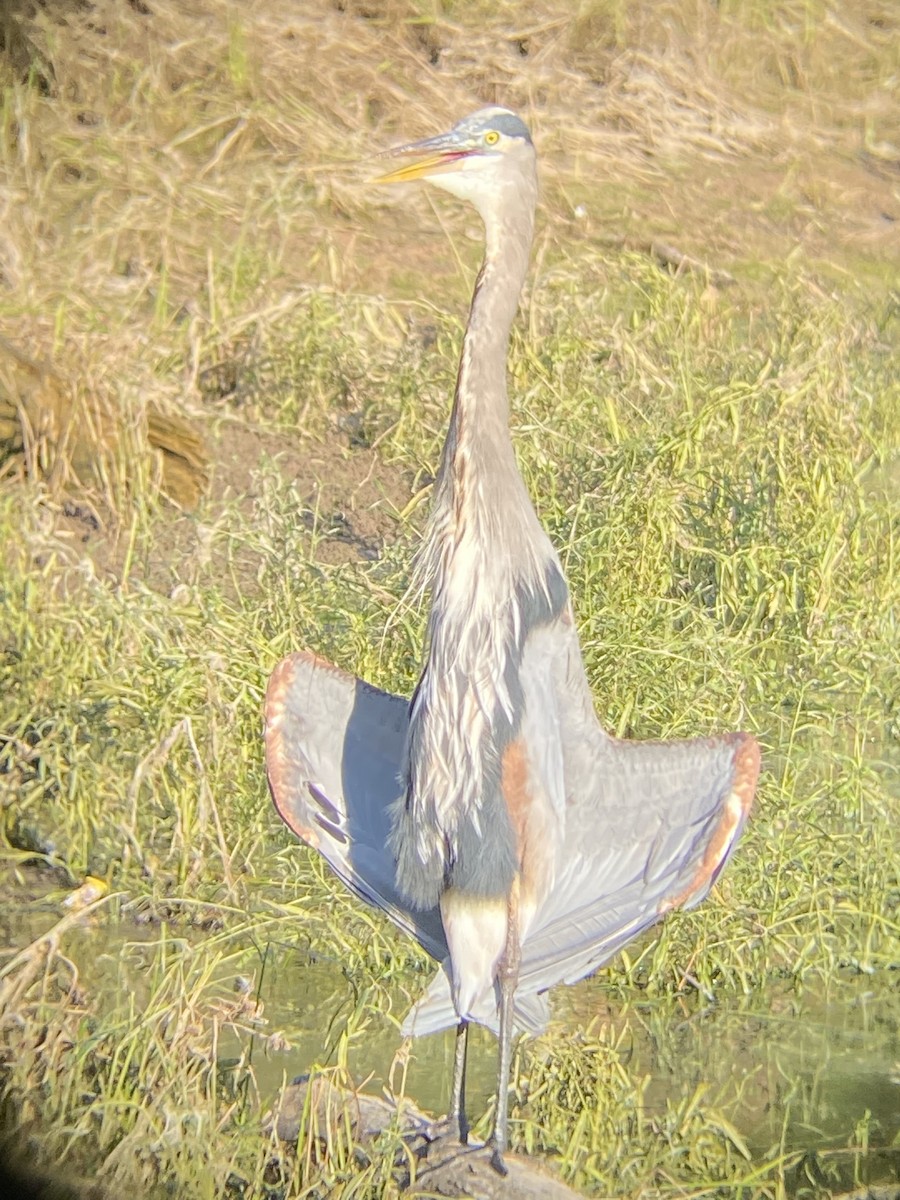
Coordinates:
x,y
334,746
645,827
652,835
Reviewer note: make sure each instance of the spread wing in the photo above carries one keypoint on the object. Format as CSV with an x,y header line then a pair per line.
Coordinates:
x,y
334,746
648,826
651,834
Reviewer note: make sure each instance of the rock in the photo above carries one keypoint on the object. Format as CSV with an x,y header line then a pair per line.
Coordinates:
x,y
442,1166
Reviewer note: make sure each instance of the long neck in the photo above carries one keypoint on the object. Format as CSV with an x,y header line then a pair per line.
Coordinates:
x,y
481,407
478,476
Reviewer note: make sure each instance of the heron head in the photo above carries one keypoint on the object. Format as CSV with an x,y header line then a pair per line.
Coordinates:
x,y
478,159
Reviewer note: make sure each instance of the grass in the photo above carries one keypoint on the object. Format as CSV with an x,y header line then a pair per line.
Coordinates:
x,y
716,464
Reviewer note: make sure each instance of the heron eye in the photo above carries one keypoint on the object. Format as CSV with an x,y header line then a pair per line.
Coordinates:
x,y
491,138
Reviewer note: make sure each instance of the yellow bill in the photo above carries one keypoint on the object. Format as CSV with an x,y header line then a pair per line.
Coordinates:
x,y
432,164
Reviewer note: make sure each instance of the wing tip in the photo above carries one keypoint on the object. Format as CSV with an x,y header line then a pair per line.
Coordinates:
x,y
287,669
285,769
747,762
733,813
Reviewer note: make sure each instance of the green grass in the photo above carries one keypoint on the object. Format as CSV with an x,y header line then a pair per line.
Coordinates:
x,y
715,489
718,467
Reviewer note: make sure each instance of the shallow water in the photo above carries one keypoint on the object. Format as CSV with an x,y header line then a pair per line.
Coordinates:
x,y
804,1070
807,1065
814,1069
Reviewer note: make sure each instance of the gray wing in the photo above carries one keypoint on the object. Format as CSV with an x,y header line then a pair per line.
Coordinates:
x,y
334,746
648,826
651,834
639,827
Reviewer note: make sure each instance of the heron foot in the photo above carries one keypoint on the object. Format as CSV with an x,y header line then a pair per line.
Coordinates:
x,y
453,1127
497,1162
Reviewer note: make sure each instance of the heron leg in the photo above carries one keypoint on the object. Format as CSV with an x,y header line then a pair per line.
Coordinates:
x,y
508,977
458,1098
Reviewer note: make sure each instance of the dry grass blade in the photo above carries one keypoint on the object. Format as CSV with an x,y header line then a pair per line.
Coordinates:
x,y
81,441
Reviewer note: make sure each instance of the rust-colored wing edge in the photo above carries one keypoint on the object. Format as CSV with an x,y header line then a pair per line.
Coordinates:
x,y
734,812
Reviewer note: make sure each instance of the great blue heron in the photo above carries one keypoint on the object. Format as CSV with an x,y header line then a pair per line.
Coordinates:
x,y
492,817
